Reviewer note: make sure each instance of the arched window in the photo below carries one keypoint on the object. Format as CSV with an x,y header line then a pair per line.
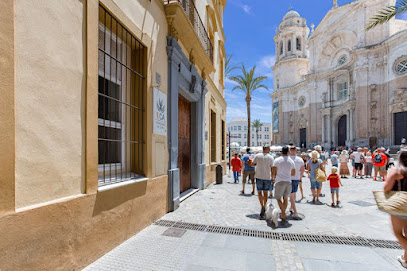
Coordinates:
x,y
278,84
298,44
281,47
289,46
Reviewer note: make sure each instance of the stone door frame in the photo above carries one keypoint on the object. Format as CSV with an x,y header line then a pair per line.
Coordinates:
x,y
184,79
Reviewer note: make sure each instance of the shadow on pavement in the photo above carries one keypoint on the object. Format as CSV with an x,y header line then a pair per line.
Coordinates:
x,y
254,216
281,224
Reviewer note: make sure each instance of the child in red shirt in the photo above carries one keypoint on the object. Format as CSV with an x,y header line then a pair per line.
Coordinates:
x,y
236,167
334,182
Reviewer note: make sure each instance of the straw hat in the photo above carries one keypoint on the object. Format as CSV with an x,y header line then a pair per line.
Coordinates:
x,y
334,170
344,152
314,155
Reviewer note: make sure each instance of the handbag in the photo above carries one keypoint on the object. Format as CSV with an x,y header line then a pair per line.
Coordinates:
x,y
319,174
392,202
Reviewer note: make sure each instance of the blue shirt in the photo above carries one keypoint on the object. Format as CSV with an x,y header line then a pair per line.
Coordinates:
x,y
334,159
245,159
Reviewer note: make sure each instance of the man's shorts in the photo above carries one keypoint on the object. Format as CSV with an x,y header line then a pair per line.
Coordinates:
x,y
263,185
334,190
248,173
294,186
380,169
315,185
358,166
282,189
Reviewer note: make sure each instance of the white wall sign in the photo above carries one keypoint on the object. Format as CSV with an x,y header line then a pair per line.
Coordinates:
x,y
159,112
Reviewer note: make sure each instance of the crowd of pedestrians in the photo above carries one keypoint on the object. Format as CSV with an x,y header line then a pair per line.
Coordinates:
x,y
284,175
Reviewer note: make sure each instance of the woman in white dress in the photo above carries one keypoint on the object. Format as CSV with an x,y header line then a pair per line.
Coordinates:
x,y
344,169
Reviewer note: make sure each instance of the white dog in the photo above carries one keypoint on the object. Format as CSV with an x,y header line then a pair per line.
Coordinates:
x,y
272,214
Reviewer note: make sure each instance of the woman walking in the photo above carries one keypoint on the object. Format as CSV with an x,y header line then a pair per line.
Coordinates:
x,y
344,169
369,165
313,164
397,181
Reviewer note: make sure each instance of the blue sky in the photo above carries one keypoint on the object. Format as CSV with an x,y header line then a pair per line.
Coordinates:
x,y
249,27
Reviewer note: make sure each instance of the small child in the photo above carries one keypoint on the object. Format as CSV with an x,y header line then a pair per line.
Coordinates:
x,y
334,182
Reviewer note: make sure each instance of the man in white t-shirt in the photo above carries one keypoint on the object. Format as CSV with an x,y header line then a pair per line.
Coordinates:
x,y
264,162
359,160
283,170
295,180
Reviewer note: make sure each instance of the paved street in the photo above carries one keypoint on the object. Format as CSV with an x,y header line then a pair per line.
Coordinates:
x,y
160,247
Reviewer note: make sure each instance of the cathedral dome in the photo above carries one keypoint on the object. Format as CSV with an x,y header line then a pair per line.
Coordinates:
x,y
292,14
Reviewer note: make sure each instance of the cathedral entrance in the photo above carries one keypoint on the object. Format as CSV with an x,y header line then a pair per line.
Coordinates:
x,y
400,127
303,138
342,131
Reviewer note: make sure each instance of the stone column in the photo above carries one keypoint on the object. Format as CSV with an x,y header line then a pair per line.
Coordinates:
x,y
323,130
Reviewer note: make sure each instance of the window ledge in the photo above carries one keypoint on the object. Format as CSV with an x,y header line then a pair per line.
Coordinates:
x,y
124,183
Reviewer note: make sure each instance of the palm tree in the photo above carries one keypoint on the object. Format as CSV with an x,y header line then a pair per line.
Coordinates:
x,y
257,124
228,66
387,13
248,83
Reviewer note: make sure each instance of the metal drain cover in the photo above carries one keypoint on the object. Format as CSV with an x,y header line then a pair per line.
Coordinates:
x,y
174,232
362,203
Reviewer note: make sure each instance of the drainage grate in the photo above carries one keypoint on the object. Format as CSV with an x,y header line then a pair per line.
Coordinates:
x,y
311,238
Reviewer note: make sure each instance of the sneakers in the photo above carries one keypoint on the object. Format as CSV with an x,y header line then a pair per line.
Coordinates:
x,y
402,261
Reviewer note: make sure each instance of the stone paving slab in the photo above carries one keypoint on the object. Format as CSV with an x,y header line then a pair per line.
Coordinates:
x,y
224,206
151,251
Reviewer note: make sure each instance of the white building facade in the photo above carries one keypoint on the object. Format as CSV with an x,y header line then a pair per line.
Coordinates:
x,y
341,85
237,128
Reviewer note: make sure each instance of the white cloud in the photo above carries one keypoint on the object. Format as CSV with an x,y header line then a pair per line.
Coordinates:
x,y
264,65
235,112
247,9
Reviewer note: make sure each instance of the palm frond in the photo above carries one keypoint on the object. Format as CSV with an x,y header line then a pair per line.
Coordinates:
x,y
387,13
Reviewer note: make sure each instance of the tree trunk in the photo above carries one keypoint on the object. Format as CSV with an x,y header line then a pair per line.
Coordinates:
x,y
248,100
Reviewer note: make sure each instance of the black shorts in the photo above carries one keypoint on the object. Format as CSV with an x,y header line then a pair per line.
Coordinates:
x,y
358,166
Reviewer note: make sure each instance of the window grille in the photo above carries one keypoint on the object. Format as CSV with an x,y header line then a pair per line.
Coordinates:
x,y
298,44
343,91
121,69
342,60
223,140
281,48
289,46
213,136
401,67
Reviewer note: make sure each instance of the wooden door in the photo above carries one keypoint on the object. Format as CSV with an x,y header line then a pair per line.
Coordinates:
x,y
184,143
303,138
342,132
400,127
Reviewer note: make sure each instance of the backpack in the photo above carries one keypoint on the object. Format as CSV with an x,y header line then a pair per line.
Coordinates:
x,y
378,158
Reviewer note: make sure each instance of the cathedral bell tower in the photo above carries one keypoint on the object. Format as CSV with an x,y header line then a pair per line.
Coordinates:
x,y
292,63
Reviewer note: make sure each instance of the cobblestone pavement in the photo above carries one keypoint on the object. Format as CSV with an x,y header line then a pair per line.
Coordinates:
x,y
152,249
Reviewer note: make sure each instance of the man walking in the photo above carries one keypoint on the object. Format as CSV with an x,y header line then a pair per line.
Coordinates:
x,y
264,162
379,163
334,159
248,169
359,161
283,170
295,180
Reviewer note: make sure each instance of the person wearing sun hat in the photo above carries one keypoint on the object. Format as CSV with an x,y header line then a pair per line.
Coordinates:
x,y
344,160
313,164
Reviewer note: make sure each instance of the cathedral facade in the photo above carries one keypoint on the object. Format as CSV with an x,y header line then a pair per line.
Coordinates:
x,y
338,84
